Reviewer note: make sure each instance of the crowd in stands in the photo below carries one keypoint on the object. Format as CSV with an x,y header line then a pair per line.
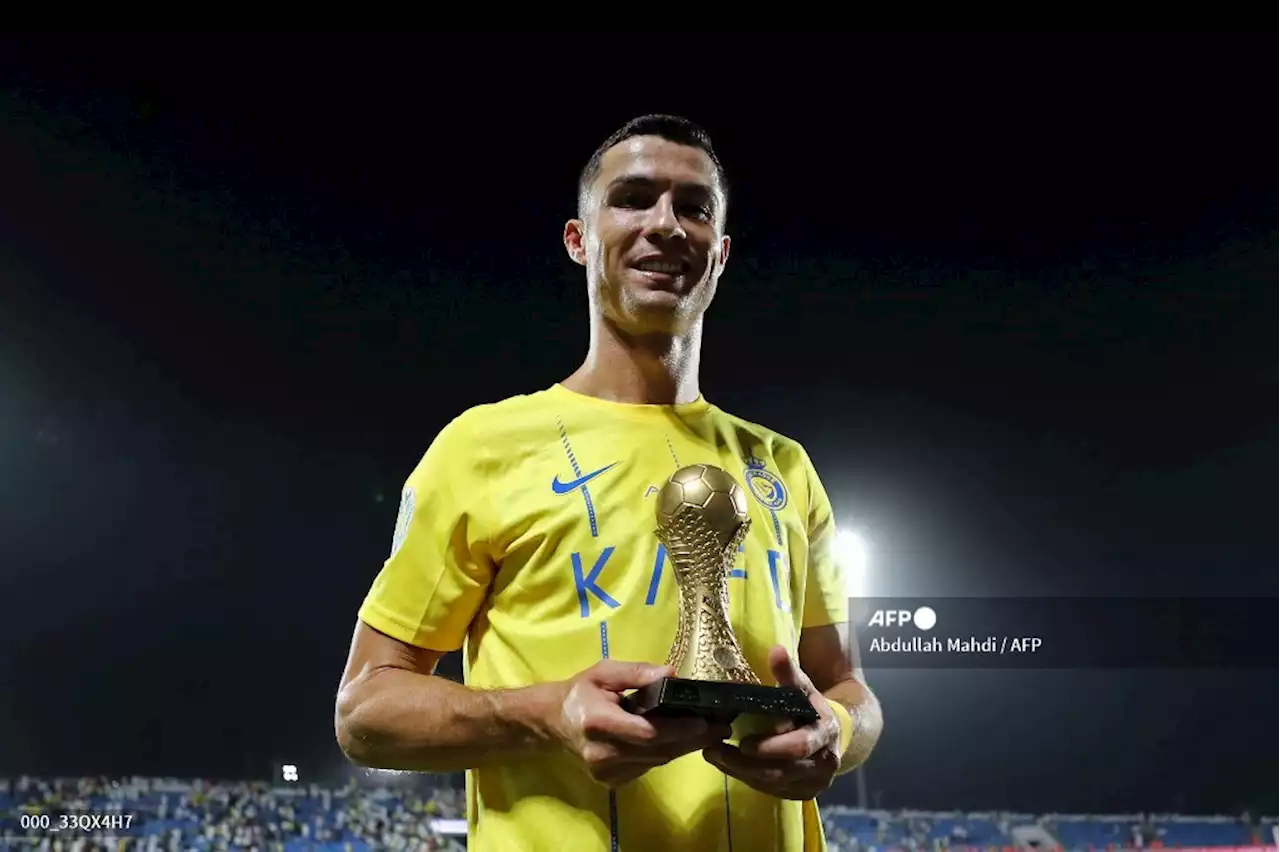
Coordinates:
x,y
853,830
166,815
169,815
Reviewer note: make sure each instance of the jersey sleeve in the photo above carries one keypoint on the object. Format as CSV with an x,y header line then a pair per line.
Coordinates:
x,y
440,569
826,598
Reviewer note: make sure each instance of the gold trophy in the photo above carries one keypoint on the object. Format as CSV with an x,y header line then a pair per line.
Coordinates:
x,y
702,519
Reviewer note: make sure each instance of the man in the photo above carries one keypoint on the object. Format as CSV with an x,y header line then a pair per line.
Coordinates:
x,y
526,536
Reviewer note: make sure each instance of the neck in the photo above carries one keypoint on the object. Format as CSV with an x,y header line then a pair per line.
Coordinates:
x,y
646,369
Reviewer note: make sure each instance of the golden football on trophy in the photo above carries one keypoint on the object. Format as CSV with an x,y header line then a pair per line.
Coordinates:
x,y
710,493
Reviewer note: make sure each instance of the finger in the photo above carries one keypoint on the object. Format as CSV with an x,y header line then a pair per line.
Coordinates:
x,y
731,761
813,776
676,738
799,779
780,726
657,754
618,725
617,676
786,672
792,745
610,723
718,731
681,729
622,773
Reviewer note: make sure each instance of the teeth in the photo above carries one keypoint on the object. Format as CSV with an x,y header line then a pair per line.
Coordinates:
x,y
659,266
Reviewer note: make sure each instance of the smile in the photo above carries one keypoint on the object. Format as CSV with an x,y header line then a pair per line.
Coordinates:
x,y
663,267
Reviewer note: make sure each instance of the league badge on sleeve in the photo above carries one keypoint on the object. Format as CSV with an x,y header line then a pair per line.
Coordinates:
x,y
403,520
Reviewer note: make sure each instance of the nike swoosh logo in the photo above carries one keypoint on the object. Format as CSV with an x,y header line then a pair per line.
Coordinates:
x,y
565,487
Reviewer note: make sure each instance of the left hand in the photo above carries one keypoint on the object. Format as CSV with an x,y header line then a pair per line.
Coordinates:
x,y
793,763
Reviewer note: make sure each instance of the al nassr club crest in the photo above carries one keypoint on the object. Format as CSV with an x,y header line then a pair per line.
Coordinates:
x,y
764,485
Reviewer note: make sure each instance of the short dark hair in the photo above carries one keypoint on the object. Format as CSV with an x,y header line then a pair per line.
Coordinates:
x,y
673,128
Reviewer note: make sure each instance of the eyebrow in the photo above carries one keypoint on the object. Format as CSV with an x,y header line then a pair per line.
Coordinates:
x,y
648,183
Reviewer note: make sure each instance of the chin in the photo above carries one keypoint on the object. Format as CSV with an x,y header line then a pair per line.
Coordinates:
x,y
640,310
667,319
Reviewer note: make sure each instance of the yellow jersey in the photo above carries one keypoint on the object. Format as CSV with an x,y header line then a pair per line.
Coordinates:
x,y
526,534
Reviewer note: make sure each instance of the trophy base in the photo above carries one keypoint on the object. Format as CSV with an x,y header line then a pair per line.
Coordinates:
x,y
721,700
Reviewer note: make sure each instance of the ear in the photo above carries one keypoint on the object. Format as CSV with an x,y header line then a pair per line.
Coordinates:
x,y
574,237
724,250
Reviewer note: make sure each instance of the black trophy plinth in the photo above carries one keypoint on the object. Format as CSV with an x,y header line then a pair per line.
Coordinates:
x,y
720,700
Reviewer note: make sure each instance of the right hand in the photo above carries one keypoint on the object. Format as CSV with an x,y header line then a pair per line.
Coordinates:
x,y
617,746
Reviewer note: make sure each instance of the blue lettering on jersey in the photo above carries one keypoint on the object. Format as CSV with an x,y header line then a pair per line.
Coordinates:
x,y
588,583
658,562
739,573
661,560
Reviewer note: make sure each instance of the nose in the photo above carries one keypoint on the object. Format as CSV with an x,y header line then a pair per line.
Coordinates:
x,y
663,221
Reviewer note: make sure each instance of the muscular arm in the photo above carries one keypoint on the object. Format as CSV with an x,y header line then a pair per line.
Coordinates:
x,y
829,656
393,712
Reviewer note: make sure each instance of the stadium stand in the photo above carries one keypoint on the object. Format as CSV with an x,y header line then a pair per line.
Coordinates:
x,y
167,815
159,815
855,830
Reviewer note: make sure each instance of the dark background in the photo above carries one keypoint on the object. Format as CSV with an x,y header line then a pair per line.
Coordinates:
x,y
1016,294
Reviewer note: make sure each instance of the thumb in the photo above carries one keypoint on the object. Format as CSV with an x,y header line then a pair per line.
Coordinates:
x,y
786,672
616,676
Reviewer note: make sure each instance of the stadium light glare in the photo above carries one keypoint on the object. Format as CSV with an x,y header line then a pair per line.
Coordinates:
x,y
853,557
289,772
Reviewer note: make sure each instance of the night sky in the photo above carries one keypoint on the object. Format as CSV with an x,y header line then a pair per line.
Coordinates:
x,y
1016,296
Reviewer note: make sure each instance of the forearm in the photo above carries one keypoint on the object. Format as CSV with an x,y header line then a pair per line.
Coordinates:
x,y
397,719
864,711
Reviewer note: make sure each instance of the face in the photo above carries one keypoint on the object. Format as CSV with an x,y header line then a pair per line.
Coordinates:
x,y
652,236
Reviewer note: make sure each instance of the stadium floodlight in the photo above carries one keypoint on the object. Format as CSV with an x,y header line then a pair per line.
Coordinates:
x,y
852,556
289,772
